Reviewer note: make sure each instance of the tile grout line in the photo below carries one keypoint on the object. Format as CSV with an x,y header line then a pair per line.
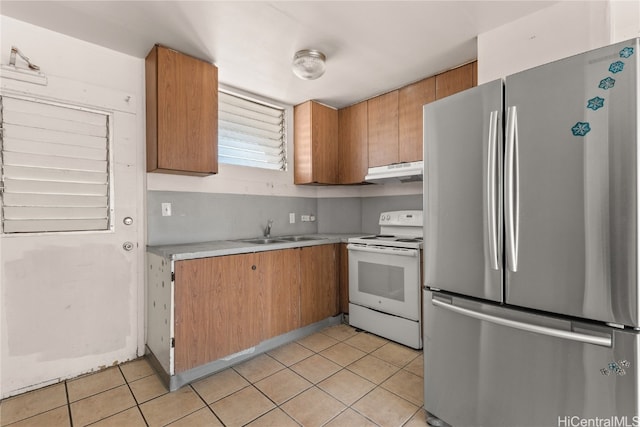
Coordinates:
x,y
66,392
135,399
316,385
206,405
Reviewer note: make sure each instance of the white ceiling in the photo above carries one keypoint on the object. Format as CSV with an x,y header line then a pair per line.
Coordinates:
x,y
371,46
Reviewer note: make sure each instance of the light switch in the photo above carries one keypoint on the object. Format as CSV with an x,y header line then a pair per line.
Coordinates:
x,y
292,218
166,209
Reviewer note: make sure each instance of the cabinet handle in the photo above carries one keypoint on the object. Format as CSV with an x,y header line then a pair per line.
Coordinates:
x,y
253,267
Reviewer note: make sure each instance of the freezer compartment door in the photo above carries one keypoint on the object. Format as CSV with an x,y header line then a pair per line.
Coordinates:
x,y
463,192
486,365
571,135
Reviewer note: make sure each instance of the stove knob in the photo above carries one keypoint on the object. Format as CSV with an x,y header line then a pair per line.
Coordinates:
x,y
388,217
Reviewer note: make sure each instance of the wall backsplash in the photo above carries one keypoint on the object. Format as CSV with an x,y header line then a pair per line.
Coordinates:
x,y
201,217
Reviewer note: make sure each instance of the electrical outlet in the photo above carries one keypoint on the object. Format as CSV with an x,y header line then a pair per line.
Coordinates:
x,y
292,218
305,218
166,209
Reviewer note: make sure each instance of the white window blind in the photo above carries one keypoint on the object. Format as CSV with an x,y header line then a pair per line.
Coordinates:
x,y
55,167
250,133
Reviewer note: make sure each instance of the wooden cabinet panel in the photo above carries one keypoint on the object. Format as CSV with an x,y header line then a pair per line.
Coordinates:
x,y
410,101
218,308
343,290
456,80
181,113
223,305
316,144
279,276
318,283
383,129
352,136
474,73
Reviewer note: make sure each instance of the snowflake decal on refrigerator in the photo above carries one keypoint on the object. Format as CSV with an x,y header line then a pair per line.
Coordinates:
x,y
595,103
626,52
581,129
616,67
607,83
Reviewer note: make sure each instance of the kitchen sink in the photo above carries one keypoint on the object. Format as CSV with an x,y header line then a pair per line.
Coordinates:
x,y
283,239
300,238
264,241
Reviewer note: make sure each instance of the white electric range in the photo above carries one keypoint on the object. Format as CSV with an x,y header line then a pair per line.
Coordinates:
x,y
384,279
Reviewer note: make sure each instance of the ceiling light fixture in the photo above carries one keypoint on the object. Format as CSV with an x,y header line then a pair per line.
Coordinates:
x,y
308,64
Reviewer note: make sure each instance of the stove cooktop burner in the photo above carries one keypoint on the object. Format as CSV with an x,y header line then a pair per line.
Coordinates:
x,y
392,237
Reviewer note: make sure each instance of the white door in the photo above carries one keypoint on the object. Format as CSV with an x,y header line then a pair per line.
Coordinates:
x,y
71,300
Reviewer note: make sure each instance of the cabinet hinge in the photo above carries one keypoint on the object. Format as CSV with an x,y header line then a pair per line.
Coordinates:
x,y
173,342
173,276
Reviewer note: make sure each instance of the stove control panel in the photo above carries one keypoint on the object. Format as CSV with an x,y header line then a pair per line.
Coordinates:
x,y
401,218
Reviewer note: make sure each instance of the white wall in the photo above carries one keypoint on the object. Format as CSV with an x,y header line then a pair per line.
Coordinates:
x,y
56,320
561,30
625,20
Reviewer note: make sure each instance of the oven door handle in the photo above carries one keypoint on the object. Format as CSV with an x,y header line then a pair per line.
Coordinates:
x,y
383,250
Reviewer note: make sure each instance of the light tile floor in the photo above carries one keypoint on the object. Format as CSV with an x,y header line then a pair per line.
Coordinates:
x,y
336,377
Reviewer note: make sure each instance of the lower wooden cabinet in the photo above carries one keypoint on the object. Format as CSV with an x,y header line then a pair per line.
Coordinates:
x,y
318,283
218,308
223,305
343,279
281,283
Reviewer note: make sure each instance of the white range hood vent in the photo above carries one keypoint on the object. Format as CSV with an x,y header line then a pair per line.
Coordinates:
x,y
398,172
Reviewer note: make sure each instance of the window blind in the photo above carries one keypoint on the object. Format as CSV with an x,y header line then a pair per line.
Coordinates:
x,y
55,167
250,133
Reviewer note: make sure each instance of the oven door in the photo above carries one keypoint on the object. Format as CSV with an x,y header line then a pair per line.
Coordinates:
x,y
385,279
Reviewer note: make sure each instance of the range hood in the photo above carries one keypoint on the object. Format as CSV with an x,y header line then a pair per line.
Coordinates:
x,y
397,172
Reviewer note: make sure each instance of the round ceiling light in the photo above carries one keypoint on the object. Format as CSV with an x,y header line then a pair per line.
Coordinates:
x,y
308,64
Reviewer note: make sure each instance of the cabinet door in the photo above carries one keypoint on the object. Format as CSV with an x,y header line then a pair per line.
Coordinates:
x,y
218,308
411,99
280,279
316,144
343,284
182,113
456,80
318,283
352,137
383,129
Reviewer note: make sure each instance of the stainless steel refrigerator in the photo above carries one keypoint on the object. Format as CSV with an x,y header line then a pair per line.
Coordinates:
x,y
531,302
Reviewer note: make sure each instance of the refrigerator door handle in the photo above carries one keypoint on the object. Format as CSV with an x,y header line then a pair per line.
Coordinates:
x,y
512,202
538,329
492,191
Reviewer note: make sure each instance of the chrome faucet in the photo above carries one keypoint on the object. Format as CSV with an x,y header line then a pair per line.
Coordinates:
x,y
267,229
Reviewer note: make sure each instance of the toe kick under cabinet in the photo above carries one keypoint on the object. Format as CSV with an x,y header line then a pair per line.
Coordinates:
x,y
206,314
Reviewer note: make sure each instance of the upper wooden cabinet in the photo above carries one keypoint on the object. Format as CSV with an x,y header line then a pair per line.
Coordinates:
x,y
410,102
383,129
352,137
456,80
182,113
316,144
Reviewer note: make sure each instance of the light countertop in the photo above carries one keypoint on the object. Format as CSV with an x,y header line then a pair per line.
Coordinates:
x,y
234,247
